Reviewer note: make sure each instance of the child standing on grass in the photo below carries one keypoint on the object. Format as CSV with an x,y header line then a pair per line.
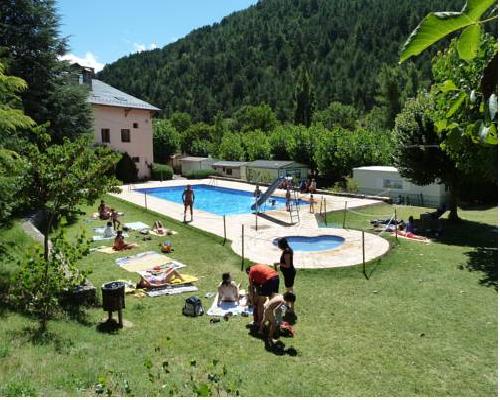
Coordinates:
x,y
114,219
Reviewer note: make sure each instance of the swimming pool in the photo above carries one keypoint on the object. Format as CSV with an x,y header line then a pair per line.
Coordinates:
x,y
313,243
216,200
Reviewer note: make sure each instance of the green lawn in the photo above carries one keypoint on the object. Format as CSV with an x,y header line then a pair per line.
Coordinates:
x,y
424,324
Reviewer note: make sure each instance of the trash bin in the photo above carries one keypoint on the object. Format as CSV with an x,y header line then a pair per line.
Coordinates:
x,y
113,299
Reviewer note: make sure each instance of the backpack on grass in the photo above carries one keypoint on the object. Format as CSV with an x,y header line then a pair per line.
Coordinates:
x,y
193,307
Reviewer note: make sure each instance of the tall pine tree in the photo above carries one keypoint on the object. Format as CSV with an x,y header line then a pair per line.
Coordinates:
x,y
304,98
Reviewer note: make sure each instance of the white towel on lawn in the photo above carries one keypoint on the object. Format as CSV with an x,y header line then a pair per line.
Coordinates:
x,y
136,226
227,306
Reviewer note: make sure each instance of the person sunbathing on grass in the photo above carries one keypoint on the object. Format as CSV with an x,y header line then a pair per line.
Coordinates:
x,y
228,290
158,227
120,244
103,210
274,313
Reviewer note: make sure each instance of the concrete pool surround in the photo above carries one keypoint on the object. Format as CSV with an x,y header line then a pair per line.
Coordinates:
x,y
258,243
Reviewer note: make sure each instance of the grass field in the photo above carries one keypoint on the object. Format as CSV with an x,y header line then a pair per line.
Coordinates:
x,y
424,324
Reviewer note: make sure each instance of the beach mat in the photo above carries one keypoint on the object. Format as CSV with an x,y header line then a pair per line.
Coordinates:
x,y
162,234
144,261
415,239
110,250
97,238
163,277
226,307
171,290
136,226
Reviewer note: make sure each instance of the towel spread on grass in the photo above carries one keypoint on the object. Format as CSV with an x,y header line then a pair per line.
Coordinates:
x,y
170,232
136,226
164,276
96,238
110,250
144,261
171,290
412,236
227,306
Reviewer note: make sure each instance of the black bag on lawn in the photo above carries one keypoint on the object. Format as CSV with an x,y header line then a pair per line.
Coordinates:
x,y
193,307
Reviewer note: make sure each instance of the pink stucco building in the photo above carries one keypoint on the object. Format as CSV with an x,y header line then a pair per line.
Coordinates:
x,y
122,122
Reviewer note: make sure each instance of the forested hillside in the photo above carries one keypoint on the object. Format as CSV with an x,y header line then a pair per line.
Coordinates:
x,y
253,56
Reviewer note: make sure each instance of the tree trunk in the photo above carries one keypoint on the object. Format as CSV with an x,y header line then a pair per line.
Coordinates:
x,y
453,205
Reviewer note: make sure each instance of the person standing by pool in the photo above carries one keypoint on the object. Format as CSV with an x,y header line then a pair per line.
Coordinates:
x,y
257,192
188,200
288,197
286,264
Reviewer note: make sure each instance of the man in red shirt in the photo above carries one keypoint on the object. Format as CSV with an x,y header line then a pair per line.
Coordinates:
x,y
264,282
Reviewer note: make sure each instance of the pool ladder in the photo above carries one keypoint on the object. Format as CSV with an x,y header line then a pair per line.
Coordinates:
x,y
295,207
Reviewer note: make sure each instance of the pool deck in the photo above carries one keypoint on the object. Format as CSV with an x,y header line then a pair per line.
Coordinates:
x,y
258,245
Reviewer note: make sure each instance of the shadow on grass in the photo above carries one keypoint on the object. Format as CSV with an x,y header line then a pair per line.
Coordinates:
x,y
485,260
468,233
278,348
110,326
38,337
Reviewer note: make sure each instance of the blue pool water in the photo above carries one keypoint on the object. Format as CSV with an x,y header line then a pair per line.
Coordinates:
x,y
313,243
216,200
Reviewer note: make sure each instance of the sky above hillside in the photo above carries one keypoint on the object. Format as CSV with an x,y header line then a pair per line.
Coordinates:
x,y
101,31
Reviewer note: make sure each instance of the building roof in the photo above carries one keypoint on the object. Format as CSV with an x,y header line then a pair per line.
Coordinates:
x,y
231,164
385,168
107,95
196,159
273,164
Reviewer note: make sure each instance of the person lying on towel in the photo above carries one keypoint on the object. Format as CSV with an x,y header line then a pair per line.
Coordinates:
x,y
228,290
160,277
158,228
120,242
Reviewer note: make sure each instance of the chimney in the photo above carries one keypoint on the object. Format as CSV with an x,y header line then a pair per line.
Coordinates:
x,y
87,75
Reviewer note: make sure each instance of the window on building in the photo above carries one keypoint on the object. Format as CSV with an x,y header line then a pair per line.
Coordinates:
x,y
393,184
136,159
135,125
126,135
229,171
105,135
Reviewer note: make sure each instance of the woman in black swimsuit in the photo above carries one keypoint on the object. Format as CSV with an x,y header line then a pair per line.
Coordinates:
x,y
286,264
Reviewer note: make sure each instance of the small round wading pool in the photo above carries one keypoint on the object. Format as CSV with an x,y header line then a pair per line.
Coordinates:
x,y
313,243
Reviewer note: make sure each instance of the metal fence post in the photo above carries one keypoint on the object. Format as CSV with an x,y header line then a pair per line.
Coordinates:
x,y
345,212
224,220
242,246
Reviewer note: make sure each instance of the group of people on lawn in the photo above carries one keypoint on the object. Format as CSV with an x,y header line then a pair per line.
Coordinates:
x,y
270,308
113,225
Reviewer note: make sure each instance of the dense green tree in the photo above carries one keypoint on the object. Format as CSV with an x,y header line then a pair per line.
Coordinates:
x,y
166,140
231,147
196,140
256,145
11,120
417,152
126,170
280,140
337,115
304,98
254,55
249,118
181,121
30,45
303,141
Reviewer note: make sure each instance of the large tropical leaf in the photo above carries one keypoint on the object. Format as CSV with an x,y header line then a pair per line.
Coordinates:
x,y
468,43
437,25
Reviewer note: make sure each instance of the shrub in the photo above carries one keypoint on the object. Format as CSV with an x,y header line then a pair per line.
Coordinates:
x,y
201,174
126,170
162,172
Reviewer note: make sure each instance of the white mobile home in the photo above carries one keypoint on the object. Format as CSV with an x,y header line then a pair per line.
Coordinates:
x,y
193,164
386,181
266,171
230,169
